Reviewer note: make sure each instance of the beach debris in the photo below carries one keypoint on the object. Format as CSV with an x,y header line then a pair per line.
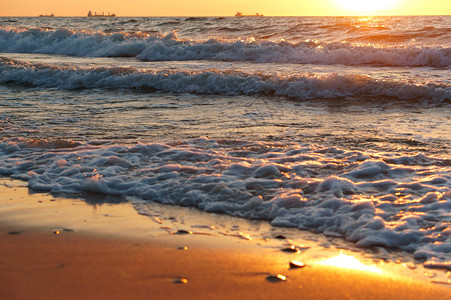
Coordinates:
x,y
182,231
297,246
14,232
244,236
441,281
202,233
181,280
276,278
211,227
409,265
59,231
437,265
280,237
291,249
157,220
241,235
295,264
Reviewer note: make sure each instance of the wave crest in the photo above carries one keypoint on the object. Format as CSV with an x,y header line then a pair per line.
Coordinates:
x,y
307,86
168,47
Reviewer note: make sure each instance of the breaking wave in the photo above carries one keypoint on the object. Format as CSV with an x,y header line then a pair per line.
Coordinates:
x,y
308,86
168,47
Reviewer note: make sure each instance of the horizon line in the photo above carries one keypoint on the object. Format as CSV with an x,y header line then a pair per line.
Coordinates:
x,y
232,16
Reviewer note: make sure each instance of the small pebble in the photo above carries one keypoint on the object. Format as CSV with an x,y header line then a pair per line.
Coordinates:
x,y
181,280
291,249
294,264
410,265
280,237
441,281
182,231
59,231
276,278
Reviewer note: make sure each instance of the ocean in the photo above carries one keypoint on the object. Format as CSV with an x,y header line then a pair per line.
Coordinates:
x,y
335,125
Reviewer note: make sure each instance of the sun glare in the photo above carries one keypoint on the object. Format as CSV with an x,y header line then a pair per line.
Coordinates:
x,y
365,6
349,262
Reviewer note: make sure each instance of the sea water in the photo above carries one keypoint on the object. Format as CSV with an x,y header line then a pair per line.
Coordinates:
x,y
336,125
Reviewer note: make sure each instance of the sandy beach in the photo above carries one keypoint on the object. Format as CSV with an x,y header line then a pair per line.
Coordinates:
x,y
60,248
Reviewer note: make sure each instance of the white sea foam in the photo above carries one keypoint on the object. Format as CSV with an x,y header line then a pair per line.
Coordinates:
x,y
168,47
308,86
373,200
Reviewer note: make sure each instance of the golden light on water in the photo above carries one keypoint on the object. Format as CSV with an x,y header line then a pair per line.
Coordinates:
x,y
349,262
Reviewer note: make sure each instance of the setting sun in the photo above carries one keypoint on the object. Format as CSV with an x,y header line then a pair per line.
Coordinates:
x,y
366,7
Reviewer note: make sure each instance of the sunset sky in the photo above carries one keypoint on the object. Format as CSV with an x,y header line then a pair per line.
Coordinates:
x,y
226,7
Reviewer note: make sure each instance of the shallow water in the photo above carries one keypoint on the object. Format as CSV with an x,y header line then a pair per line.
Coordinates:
x,y
341,128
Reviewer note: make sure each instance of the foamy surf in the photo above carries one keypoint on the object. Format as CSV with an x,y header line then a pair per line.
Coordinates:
x,y
371,199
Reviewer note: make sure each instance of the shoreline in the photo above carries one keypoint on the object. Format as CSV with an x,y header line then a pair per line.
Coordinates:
x,y
65,248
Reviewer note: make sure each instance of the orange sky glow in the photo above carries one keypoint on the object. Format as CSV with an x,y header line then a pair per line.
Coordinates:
x,y
226,7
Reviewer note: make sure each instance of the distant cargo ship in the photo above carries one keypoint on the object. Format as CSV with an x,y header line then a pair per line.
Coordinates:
x,y
238,14
47,16
90,14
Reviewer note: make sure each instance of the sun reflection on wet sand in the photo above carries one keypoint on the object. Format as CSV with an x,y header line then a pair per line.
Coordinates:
x,y
349,262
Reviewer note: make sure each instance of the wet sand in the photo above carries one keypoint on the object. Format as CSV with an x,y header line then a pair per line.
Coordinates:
x,y
65,249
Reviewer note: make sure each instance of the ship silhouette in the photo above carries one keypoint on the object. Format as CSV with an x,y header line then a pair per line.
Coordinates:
x,y
90,14
238,14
